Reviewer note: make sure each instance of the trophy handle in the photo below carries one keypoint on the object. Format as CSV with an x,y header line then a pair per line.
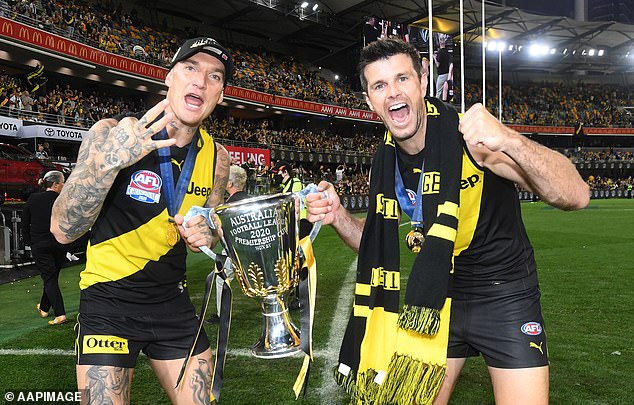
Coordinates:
x,y
309,189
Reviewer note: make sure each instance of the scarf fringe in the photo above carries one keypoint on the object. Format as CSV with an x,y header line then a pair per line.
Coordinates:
x,y
408,381
367,389
347,382
422,320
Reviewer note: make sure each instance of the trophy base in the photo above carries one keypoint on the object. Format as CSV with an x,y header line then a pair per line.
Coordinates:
x,y
280,338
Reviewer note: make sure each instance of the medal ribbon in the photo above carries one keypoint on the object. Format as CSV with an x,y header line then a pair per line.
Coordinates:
x,y
174,197
413,210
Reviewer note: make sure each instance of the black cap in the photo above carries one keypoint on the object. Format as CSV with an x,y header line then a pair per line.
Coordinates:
x,y
209,46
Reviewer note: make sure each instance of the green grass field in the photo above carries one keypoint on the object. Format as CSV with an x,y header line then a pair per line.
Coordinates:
x,y
586,271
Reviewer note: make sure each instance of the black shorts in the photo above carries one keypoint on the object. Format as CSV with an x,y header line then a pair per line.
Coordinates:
x,y
106,340
506,327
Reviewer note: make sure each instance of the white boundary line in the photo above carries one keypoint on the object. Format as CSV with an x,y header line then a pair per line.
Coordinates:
x,y
63,352
36,352
329,391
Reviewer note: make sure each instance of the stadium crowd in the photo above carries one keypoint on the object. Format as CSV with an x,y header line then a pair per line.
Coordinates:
x,y
559,104
108,27
261,134
61,104
584,155
104,26
609,184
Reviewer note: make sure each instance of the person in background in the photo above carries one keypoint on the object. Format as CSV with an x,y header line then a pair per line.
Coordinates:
x,y
291,184
235,187
473,286
251,170
135,179
40,153
444,64
47,252
339,172
47,149
370,31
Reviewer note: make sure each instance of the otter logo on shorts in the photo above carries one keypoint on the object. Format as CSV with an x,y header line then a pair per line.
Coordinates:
x,y
104,344
532,328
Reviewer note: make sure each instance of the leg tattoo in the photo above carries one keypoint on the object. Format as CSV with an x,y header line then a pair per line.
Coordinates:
x,y
201,383
108,385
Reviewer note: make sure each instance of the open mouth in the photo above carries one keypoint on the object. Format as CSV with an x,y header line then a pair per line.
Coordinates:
x,y
193,100
399,112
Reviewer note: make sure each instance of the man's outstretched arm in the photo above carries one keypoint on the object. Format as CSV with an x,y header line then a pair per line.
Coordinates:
x,y
107,148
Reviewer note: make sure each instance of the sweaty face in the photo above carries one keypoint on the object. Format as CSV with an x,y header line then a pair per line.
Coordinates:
x,y
396,94
195,88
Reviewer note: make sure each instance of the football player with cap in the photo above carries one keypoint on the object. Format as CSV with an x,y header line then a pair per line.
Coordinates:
x,y
134,179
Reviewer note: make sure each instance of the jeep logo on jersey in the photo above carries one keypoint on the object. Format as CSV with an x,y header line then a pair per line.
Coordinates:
x,y
470,181
198,190
532,328
145,186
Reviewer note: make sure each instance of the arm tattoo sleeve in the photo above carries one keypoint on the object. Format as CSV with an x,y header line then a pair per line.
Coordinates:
x,y
220,178
80,201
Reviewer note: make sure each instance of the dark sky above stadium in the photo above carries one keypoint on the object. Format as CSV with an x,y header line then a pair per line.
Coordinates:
x,y
548,7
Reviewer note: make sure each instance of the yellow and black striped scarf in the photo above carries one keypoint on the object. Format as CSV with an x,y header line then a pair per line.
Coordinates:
x,y
387,356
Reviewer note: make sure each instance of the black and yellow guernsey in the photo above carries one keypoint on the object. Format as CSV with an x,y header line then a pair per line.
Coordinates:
x,y
130,266
491,246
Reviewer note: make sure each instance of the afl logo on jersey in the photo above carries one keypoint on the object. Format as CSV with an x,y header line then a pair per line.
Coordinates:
x,y
532,328
145,186
412,196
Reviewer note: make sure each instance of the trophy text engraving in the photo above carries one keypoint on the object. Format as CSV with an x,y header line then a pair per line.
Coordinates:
x,y
257,229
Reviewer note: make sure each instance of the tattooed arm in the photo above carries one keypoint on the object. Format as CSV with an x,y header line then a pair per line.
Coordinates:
x,y
221,177
107,148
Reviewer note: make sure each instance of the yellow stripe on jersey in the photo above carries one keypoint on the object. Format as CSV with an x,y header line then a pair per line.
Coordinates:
x,y
471,188
117,254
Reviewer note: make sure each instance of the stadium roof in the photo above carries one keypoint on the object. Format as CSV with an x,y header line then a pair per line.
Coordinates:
x,y
331,35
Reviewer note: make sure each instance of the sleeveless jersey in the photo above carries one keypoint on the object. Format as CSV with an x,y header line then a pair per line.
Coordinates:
x,y
129,261
491,245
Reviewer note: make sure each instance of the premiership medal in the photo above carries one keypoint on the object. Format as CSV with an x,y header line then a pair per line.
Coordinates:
x,y
415,239
412,207
173,236
174,194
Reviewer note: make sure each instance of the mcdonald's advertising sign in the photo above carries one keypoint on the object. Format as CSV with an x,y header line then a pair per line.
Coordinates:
x,y
37,38
7,28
